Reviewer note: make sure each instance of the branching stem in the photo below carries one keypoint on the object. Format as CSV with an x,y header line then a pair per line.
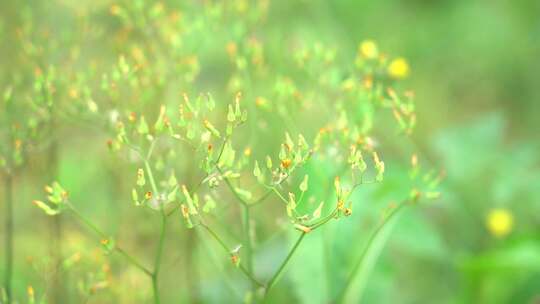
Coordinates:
x,y
246,272
342,295
8,188
104,236
278,273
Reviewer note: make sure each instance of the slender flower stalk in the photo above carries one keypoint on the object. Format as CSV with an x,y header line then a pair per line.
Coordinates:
x,y
116,248
58,291
357,266
242,268
163,229
157,262
281,268
8,188
247,240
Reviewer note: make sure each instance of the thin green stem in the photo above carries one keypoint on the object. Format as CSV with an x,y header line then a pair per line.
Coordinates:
x,y
132,260
279,195
242,200
248,274
277,274
151,149
235,193
157,262
58,291
247,239
150,176
8,188
102,235
88,223
324,220
261,199
372,237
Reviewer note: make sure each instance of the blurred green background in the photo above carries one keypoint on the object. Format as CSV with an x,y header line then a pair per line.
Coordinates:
x,y
474,69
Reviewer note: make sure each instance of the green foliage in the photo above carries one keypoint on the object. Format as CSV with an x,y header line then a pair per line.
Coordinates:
x,y
245,153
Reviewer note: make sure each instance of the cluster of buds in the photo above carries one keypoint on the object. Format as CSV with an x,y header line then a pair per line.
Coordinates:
x,y
235,115
403,110
57,200
142,196
356,160
425,183
291,156
343,205
379,166
190,207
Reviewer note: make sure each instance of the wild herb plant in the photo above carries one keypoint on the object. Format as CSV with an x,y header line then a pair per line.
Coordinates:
x,y
209,159
204,131
41,94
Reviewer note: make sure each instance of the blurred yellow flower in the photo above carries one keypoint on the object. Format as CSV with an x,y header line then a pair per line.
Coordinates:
x,y
368,49
398,68
499,222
